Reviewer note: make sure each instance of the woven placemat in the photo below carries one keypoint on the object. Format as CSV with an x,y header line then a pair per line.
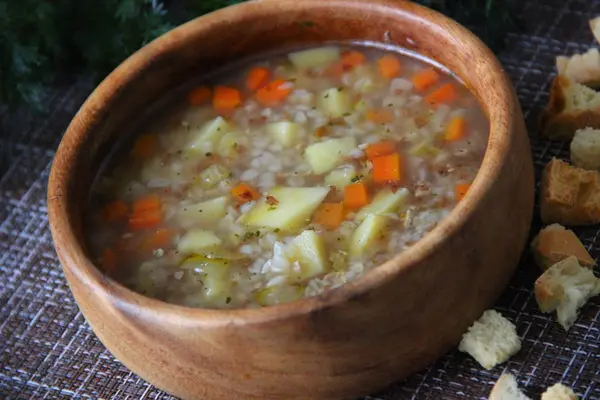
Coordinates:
x,y
48,351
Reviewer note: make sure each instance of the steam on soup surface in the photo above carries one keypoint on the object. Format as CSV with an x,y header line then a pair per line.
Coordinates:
x,y
279,179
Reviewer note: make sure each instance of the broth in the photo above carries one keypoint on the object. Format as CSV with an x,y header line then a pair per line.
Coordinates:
x,y
286,176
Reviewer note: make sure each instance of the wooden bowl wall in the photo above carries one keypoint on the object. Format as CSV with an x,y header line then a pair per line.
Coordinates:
x,y
347,342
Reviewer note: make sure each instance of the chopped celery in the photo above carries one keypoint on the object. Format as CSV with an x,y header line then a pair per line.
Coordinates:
x,y
339,178
424,150
338,260
278,295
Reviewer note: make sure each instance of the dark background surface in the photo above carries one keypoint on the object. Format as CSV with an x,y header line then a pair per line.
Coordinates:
x,y
47,350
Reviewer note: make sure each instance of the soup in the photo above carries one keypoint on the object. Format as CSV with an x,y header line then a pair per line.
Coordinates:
x,y
280,178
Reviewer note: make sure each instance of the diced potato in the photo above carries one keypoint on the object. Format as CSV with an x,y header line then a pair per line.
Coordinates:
x,y
308,249
229,143
205,139
203,213
216,279
384,202
424,150
325,156
278,295
335,102
314,58
364,239
197,240
214,275
341,177
284,132
212,175
294,210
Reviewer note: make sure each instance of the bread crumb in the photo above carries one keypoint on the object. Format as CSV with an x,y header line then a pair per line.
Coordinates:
x,y
569,195
565,287
507,388
554,243
585,149
595,27
491,340
559,392
581,68
571,106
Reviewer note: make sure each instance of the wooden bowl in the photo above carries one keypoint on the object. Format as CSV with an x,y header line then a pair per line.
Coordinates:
x,y
344,343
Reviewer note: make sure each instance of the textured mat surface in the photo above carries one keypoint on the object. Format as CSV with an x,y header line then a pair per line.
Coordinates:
x,y
47,350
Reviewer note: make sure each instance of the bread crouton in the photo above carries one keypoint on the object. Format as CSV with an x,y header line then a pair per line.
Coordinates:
x,y
491,340
595,27
585,149
507,388
559,392
581,68
554,243
569,195
571,106
565,287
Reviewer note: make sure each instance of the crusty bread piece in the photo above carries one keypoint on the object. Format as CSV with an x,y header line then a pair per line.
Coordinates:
x,y
507,388
554,243
559,392
569,195
491,340
585,149
581,68
571,106
595,27
565,287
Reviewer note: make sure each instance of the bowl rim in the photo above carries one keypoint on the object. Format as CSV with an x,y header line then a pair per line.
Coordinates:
x,y
73,256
